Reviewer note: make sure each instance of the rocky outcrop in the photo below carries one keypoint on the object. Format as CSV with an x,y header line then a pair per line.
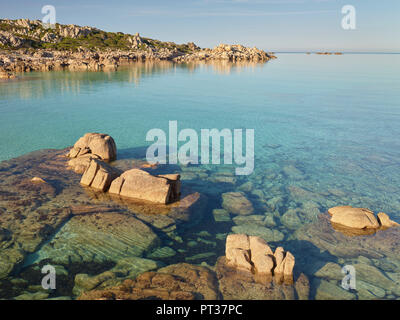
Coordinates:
x,y
87,156
74,47
227,52
47,217
140,185
8,39
136,41
99,175
253,254
98,144
359,218
92,146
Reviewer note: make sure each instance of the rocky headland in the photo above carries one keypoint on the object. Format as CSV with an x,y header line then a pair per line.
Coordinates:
x,y
25,45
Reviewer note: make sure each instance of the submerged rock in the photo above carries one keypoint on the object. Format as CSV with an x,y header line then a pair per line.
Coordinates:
x,y
125,268
100,237
326,290
330,271
235,284
221,215
253,229
237,203
176,282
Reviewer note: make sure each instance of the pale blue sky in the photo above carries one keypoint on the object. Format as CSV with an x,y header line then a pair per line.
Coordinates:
x,y
276,25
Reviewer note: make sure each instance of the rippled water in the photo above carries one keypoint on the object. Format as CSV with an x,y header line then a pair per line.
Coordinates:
x,y
326,134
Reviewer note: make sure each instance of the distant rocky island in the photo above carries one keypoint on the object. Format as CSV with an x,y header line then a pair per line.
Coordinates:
x,y
25,45
327,53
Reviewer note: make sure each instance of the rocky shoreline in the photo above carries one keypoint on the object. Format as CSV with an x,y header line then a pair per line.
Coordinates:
x,y
26,46
106,247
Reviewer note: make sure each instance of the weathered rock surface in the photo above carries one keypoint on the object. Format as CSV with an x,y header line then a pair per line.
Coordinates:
x,y
81,163
253,254
236,284
385,221
227,52
140,185
135,184
99,175
176,282
98,144
359,218
126,268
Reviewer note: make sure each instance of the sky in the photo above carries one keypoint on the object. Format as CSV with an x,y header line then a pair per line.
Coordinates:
x,y
272,25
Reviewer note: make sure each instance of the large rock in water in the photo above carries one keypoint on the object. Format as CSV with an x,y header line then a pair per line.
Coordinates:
x,y
99,144
99,175
237,285
250,253
358,218
141,185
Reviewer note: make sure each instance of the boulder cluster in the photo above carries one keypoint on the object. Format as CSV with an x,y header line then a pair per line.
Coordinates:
x,y
229,53
23,60
252,254
90,155
359,218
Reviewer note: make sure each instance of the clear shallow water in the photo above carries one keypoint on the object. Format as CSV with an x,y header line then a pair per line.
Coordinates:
x,y
325,124
326,112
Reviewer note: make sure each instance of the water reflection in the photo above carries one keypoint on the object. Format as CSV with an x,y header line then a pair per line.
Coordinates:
x,y
71,82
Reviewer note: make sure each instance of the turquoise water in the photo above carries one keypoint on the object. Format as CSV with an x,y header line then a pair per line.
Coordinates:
x,y
325,124
336,117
